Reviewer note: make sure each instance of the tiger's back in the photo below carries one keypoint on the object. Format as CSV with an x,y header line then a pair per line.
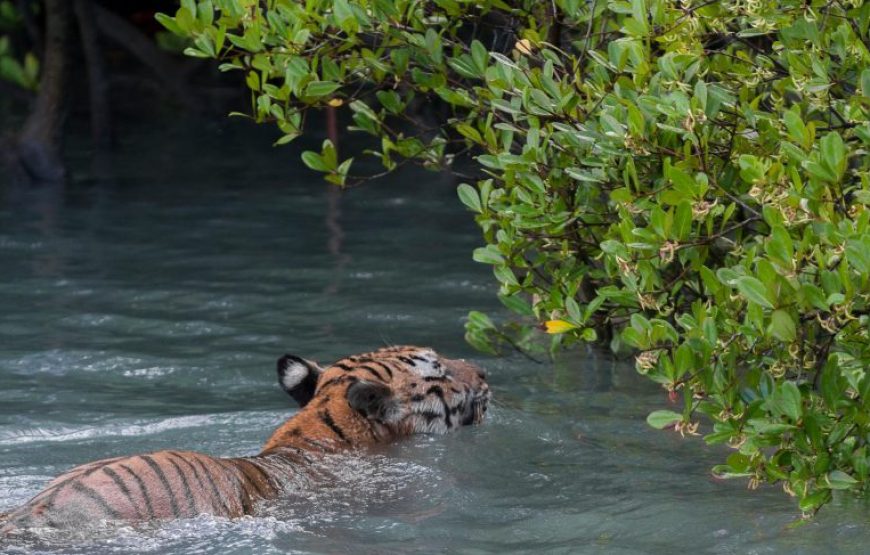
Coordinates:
x,y
160,485
364,399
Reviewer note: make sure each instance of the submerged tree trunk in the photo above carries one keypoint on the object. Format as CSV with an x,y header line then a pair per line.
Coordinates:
x,y
38,145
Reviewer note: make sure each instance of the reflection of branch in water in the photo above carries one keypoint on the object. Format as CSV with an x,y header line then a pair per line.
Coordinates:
x,y
335,240
333,213
46,203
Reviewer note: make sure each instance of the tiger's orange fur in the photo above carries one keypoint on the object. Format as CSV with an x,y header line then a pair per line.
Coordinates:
x,y
360,400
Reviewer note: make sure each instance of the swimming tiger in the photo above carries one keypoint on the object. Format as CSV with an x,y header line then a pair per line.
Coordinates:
x,y
360,400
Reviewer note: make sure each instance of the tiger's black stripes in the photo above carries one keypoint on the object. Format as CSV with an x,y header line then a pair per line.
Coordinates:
x,y
438,392
408,361
372,371
384,366
337,381
142,487
195,475
124,489
254,482
430,415
328,420
173,504
56,489
329,383
232,474
82,472
188,493
97,498
343,366
264,477
212,485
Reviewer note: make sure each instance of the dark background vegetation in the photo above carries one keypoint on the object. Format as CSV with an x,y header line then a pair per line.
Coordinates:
x,y
108,66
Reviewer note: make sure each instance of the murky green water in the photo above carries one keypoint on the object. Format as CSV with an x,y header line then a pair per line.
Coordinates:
x,y
146,311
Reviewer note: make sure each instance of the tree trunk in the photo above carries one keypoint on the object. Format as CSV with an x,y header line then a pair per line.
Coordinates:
x,y
101,128
38,148
134,41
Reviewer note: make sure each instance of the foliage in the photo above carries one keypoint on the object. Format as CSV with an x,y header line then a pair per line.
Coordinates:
x,y
22,72
688,179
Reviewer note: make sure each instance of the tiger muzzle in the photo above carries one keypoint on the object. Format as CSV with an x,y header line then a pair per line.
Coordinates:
x,y
473,377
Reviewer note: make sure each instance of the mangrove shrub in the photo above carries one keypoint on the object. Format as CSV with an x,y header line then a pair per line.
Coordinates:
x,y
686,180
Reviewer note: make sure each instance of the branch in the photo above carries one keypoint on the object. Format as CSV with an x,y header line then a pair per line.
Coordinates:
x,y
143,48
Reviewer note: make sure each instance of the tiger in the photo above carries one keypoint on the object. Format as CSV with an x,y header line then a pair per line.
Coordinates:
x,y
358,401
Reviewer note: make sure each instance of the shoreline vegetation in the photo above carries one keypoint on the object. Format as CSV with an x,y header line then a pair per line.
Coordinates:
x,y
684,181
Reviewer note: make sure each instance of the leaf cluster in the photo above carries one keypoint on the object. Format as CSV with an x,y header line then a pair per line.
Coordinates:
x,y
686,180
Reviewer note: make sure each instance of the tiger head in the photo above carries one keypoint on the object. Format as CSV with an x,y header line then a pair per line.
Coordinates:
x,y
375,397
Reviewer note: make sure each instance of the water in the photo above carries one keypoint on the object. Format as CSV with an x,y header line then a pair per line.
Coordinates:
x,y
146,311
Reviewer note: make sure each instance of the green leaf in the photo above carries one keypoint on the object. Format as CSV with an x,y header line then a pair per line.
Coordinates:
x,y
252,80
682,221
505,275
284,139
480,320
433,45
390,100
752,168
837,479
814,296
795,125
573,309
659,419
516,304
782,326
480,56
779,246
320,88
488,255
820,171
834,154
754,290
858,253
684,359
468,196
789,401
812,501
767,427
169,24
344,16
314,161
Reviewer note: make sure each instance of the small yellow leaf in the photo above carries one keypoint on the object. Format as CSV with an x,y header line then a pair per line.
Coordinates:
x,y
335,102
558,326
524,46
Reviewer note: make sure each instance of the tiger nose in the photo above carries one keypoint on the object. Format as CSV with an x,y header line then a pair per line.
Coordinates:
x,y
481,373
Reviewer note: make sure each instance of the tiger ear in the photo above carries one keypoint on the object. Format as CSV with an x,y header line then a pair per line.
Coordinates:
x,y
298,377
372,400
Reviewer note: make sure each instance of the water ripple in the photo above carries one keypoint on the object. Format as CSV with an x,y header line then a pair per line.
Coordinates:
x,y
267,420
